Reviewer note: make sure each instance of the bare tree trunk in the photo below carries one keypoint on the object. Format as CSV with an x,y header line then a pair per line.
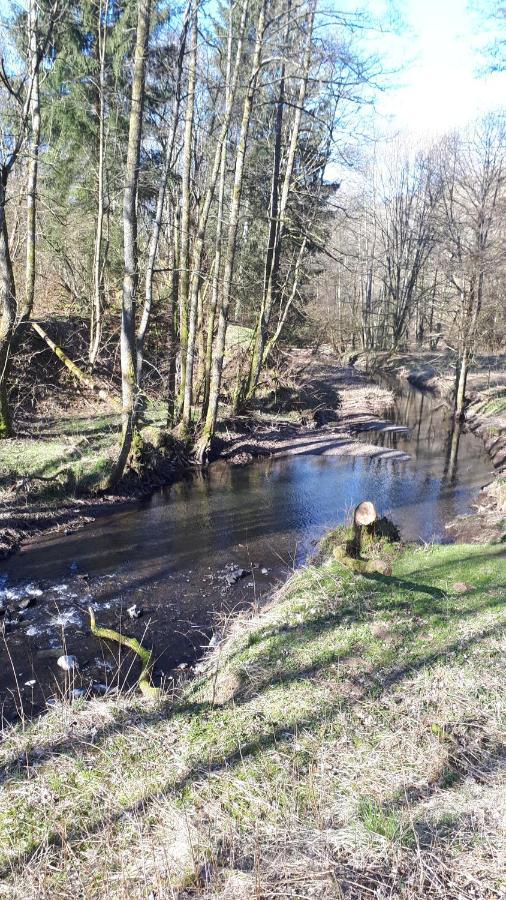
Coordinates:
x,y
271,343
184,253
8,302
278,216
8,313
160,204
130,249
230,90
235,205
33,158
211,320
172,329
468,338
98,261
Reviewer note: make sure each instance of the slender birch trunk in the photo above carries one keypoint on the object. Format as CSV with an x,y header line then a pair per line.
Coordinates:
x,y
98,257
160,203
33,159
271,343
173,315
184,253
211,319
130,249
235,205
273,209
278,213
8,300
7,315
204,215
28,113
468,338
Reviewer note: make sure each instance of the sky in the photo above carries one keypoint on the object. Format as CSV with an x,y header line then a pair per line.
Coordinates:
x,y
437,52
434,52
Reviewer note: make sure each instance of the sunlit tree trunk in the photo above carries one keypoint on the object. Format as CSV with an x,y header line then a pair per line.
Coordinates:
x,y
230,91
33,158
172,348
160,203
211,319
279,212
130,249
271,343
184,253
7,314
29,113
228,268
98,260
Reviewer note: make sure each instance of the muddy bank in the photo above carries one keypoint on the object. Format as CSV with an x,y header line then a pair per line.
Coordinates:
x,y
344,403
320,409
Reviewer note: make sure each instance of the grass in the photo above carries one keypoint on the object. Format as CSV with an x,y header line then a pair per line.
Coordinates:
x,y
346,742
84,447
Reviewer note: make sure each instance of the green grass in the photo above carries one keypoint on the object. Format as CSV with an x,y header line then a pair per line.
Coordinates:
x,y
83,446
494,403
348,735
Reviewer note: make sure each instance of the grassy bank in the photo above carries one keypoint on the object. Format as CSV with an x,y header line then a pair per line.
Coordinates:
x,y
346,742
65,455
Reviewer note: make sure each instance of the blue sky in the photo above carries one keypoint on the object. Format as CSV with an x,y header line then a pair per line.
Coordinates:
x,y
438,50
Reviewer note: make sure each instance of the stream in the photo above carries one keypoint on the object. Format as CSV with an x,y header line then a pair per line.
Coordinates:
x,y
203,548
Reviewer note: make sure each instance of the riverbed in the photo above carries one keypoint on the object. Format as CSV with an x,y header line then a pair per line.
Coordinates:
x,y
203,548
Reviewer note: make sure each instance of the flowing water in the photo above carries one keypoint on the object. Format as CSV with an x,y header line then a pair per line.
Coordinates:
x,y
175,555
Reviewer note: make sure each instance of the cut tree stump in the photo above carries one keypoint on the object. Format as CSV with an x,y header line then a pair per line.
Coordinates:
x,y
365,514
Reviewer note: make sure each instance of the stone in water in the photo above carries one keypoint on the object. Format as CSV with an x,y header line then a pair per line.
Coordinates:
x,y
67,663
134,611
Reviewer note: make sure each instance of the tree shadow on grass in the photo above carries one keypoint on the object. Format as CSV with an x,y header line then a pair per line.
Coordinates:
x,y
405,636
387,581
380,683
379,680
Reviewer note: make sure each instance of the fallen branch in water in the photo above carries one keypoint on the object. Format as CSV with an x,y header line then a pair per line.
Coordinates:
x,y
145,655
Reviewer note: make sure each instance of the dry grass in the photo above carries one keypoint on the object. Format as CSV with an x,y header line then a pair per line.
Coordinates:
x,y
346,743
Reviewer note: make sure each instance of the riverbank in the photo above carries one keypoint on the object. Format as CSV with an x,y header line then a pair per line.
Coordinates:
x,y
344,742
485,416
51,477
320,409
